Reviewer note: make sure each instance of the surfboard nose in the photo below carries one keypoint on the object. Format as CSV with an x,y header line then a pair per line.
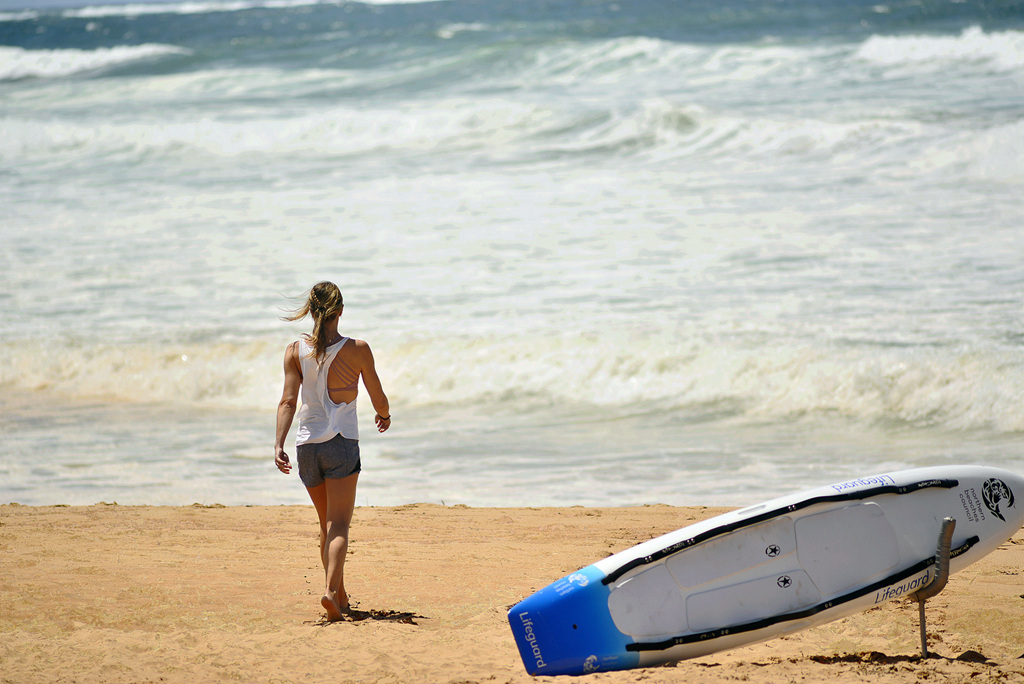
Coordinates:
x,y
565,628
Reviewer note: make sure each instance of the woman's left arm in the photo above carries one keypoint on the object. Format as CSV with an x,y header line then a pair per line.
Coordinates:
x,y
373,387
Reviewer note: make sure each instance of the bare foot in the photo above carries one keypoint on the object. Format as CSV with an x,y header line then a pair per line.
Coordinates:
x,y
334,611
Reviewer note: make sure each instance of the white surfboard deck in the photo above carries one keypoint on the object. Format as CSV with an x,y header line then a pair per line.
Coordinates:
x,y
766,570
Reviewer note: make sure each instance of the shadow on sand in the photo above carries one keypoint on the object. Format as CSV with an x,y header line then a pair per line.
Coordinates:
x,y
876,657
357,615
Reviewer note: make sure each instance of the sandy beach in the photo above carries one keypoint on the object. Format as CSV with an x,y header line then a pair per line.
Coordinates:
x,y
111,593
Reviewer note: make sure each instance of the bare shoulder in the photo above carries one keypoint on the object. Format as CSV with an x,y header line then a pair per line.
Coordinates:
x,y
362,349
361,346
291,357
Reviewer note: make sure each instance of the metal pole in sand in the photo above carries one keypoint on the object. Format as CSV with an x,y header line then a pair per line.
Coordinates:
x,y
939,582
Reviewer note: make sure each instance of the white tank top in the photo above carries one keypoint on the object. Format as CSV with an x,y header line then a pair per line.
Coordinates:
x,y
320,419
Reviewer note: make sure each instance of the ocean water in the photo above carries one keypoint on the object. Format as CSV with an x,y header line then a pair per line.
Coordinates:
x,y
605,252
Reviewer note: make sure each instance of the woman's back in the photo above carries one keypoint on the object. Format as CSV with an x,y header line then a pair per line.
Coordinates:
x,y
343,374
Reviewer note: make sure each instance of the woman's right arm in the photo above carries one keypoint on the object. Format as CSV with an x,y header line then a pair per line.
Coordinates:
x,y
286,407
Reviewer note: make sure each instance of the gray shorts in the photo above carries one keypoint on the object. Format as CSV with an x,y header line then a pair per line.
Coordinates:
x,y
334,459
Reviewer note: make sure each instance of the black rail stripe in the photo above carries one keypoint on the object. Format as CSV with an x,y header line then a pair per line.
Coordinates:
x,y
768,515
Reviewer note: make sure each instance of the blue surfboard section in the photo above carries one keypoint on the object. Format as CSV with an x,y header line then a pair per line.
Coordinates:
x,y
566,629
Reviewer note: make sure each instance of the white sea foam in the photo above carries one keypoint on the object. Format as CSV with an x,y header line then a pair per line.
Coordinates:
x,y
939,389
654,65
496,128
22,15
199,7
340,132
451,30
998,50
209,6
18,63
991,156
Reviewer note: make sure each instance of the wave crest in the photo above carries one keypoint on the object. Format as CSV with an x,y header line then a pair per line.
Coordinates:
x,y
945,389
1001,51
18,63
693,380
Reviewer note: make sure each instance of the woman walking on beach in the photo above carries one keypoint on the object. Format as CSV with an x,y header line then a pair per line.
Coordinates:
x,y
321,376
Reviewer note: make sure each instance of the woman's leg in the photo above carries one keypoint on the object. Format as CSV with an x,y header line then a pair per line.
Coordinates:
x,y
318,495
338,500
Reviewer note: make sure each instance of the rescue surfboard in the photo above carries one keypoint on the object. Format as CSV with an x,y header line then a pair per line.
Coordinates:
x,y
766,570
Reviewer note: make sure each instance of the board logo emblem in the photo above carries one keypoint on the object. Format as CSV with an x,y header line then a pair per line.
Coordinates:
x,y
590,664
772,551
995,492
580,579
785,581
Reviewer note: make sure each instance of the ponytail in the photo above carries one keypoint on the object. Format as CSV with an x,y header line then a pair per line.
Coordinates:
x,y
323,301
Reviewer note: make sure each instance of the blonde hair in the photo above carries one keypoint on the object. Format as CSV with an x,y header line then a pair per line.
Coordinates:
x,y
323,301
